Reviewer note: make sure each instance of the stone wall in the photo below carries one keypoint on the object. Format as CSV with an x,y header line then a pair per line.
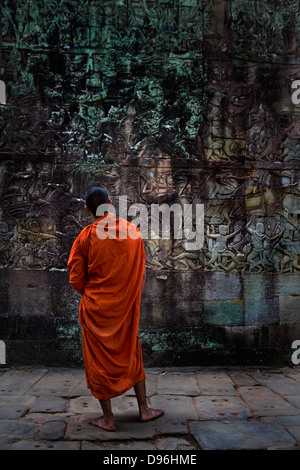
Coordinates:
x,y
165,102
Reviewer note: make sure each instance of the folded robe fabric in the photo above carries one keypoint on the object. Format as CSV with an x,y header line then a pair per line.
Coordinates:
x,y
106,266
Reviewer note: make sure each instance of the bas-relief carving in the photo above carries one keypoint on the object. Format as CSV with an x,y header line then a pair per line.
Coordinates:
x,y
40,217
250,224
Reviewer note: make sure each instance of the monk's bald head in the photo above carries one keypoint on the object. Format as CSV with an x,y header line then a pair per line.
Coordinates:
x,y
94,198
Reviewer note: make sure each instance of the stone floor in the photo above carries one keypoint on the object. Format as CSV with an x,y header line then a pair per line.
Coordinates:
x,y
215,408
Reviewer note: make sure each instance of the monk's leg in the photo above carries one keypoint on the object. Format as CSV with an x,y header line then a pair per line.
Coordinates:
x,y
146,413
107,420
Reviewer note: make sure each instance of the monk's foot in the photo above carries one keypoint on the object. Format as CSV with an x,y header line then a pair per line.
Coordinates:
x,y
102,423
150,413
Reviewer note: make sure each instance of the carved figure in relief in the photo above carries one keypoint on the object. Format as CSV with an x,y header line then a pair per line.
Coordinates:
x,y
220,251
50,254
6,242
157,183
291,149
35,230
261,246
189,260
286,253
152,254
291,208
26,256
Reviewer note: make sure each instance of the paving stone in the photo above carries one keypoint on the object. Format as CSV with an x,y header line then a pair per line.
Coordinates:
x,y
264,402
118,446
283,385
283,420
173,443
85,404
11,429
42,445
294,431
13,412
20,381
239,435
293,373
80,389
241,378
172,383
120,405
126,428
49,404
14,406
60,382
220,408
215,382
125,405
177,410
52,431
295,400
42,418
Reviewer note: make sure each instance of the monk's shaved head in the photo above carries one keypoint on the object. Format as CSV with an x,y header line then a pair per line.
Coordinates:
x,y
95,197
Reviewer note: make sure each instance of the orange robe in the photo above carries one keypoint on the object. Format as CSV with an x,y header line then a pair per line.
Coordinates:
x,y
109,274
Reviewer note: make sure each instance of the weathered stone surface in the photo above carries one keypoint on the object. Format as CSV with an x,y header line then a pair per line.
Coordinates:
x,y
14,406
220,312
86,404
239,435
177,410
241,378
20,381
264,402
293,399
212,408
52,431
286,386
42,445
118,446
215,382
259,285
289,307
220,286
173,443
261,311
171,383
127,426
46,404
60,382
11,429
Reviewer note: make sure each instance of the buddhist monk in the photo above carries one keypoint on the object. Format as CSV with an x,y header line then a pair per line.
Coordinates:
x,y
107,267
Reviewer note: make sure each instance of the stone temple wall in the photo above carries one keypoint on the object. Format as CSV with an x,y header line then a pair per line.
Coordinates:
x,y
164,101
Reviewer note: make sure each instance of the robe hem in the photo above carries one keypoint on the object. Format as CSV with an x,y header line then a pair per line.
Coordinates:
x,y
108,396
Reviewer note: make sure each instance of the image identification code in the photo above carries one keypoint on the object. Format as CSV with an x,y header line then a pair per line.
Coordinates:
x,y
151,459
